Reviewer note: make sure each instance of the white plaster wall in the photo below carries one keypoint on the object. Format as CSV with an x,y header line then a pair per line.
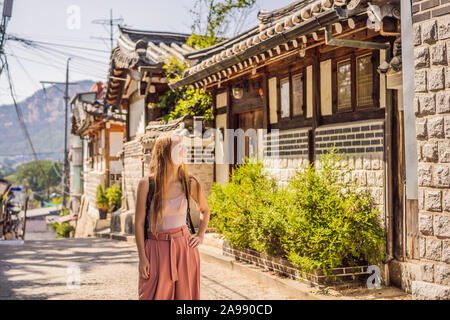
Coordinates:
x,y
137,118
115,143
326,101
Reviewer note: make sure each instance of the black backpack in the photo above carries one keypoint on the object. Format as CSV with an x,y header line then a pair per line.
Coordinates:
x,y
151,190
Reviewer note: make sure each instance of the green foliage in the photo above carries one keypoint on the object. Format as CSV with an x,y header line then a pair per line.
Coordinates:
x,y
321,220
6,171
211,27
334,222
195,102
238,218
30,173
114,196
102,200
63,230
174,69
186,100
56,201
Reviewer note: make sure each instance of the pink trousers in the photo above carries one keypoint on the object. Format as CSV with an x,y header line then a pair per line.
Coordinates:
x,y
174,267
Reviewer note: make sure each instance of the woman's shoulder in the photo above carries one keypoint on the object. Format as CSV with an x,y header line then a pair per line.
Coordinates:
x,y
144,182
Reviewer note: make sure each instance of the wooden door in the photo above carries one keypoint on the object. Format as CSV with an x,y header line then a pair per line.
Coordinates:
x,y
248,120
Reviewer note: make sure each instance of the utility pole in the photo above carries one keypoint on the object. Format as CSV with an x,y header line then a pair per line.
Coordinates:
x,y
66,102
111,22
7,13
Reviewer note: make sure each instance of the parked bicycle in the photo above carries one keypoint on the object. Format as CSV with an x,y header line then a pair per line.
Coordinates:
x,y
12,213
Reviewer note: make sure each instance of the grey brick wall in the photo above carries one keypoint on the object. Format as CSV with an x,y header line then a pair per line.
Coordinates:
x,y
432,106
362,142
285,152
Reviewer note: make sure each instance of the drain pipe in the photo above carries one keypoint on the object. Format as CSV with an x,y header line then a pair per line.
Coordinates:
x,y
389,217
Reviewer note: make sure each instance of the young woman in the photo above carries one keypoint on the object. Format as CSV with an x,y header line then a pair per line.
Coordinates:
x,y
169,261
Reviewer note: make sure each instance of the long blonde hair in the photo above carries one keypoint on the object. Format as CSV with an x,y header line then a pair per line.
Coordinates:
x,y
161,163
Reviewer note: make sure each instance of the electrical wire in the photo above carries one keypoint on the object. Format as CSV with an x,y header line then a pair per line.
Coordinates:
x,y
20,117
28,154
15,38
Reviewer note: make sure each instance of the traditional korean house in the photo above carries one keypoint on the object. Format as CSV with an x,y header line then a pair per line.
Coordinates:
x,y
96,141
313,74
135,84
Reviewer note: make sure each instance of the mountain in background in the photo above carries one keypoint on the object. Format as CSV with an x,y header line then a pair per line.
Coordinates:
x,y
44,117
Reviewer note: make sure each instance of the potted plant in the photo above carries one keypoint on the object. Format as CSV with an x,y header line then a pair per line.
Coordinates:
x,y
102,203
114,195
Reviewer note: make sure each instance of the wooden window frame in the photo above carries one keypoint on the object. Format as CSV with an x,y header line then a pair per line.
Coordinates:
x,y
290,75
289,81
302,74
353,56
374,86
336,85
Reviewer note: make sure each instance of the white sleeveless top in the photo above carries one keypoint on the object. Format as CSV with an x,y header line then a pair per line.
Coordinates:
x,y
174,213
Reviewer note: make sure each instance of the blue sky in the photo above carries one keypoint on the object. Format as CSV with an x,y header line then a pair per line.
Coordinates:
x,y
46,21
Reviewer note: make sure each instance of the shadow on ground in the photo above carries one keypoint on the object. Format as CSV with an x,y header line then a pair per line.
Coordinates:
x,y
39,269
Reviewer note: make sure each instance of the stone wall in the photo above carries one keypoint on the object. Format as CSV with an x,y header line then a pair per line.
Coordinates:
x,y
431,21
132,171
88,216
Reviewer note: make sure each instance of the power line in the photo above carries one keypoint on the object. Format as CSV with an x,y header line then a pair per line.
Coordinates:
x,y
79,69
28,154
21,120
15,38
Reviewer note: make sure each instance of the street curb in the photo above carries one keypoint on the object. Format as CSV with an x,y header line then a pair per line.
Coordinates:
x,y
298,290
115,236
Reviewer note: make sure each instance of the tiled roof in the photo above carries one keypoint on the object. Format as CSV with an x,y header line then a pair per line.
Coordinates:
x,y
293,25
139,48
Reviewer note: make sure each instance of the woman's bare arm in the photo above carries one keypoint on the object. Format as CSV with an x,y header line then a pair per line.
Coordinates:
x,y
202,204
141,198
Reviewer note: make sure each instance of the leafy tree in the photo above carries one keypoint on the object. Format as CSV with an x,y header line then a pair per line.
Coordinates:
x,y
211,27
185,100
30,173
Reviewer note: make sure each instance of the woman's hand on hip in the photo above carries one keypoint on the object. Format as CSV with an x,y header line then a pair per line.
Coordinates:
x,y
195,240
144,268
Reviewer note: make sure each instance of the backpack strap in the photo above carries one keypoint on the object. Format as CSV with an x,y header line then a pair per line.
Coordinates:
x,y
151,189
188,215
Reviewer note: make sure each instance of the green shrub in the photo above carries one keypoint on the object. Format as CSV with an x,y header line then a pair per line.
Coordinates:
x,y
243,210
114,196
334,222
321,220
64,229
102,200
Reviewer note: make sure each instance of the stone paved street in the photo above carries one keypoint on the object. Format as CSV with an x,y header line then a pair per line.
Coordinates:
x,y
108,270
